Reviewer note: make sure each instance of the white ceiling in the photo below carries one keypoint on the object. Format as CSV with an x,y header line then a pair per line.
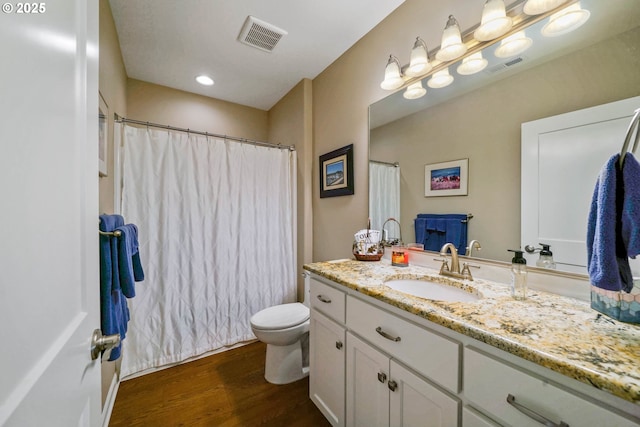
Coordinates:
x,y
169,42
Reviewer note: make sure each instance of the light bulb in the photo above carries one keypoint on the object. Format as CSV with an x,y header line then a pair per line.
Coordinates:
x,y
472,64
392,75
204,80
451,46
414,91
536,7
440,79
565,21
513,45
419,63
494,22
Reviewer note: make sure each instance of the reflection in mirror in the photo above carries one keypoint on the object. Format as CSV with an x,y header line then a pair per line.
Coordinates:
x,y
479,117
384,196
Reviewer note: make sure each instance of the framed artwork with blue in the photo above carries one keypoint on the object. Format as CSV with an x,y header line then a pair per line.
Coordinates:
x,y
336,172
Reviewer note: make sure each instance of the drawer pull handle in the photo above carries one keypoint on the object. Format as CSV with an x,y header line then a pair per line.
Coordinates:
x,y
392,385
339,345
511,400
386,335
324,299
382,377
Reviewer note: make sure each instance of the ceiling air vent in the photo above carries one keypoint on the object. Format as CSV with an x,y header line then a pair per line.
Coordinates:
x,y
260,34
505,65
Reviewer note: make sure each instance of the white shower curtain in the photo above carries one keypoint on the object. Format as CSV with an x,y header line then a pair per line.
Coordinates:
x,y
384,196
216,234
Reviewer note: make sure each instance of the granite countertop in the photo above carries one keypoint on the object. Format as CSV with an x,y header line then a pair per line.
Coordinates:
x,y
560,333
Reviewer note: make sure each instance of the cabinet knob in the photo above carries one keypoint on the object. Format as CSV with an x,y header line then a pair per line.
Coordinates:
x,y
339,345
382,377
392,385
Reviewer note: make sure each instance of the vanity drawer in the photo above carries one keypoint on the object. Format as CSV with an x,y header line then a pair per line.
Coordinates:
x,y
328,300
429,354
488,382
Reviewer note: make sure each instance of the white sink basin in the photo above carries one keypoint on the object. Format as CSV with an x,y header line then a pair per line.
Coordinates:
x,y
431,290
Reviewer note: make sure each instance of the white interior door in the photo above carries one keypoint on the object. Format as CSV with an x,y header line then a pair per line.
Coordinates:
x,y
49,301
561,159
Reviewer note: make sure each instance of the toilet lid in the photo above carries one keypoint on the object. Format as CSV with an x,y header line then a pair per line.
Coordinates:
x,y
280,316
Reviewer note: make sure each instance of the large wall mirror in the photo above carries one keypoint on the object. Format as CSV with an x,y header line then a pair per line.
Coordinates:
x,y
478,117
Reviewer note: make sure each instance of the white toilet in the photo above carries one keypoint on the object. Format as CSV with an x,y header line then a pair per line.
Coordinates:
x,y
285,330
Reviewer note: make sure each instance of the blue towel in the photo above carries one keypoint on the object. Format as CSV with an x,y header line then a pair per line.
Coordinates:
x,y
631,206
614,225
129,266
420,225
113,309
440,229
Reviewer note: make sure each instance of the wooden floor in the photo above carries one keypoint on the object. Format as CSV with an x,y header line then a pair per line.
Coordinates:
x,y
226,389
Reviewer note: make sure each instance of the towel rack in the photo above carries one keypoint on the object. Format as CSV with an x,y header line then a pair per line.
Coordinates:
x,y
469,216
116,233
633,125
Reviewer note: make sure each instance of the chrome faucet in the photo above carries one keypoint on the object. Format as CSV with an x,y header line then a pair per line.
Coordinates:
x,y
473,245
455,265
454,270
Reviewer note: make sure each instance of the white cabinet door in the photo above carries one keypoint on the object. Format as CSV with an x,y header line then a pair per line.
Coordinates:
x,y
415,403
327,367
367,392
49,302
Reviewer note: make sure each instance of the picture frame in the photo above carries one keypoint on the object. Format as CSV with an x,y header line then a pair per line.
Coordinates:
x,y
336,173
446,178
103,136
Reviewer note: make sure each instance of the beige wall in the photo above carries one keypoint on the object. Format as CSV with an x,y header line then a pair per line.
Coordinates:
x,y
112,86
343,92
290,123
484,126
167,106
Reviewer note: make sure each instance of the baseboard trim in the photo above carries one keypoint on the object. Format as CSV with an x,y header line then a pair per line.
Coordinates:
x,y
110,401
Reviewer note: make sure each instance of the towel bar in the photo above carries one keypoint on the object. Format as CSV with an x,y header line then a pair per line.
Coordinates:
x,y
634,124
116,233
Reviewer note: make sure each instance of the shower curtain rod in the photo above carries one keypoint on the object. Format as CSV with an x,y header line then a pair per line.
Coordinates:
x,y
396,164
119,119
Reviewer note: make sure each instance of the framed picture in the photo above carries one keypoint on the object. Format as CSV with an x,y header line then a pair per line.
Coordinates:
x,y
447,178
103,127
336,172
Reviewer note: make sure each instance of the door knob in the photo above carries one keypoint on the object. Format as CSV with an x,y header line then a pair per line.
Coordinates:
x,y
100,343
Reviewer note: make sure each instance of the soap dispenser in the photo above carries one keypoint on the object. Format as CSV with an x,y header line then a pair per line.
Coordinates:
x,y
518,275
546,257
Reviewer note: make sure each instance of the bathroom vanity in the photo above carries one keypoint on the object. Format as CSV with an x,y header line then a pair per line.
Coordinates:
x,y
382,357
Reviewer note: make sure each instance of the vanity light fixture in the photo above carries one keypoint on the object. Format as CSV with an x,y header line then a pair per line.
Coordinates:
x,y
204,80
565,21
440,79
414,91
419,63
392,75
513,45
472,64
536,7
494,22
451,46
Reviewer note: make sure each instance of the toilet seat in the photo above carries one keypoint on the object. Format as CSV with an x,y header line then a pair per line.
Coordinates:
x,y
280,316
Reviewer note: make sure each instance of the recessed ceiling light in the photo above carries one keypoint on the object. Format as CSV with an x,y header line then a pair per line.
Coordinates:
x,y
204,80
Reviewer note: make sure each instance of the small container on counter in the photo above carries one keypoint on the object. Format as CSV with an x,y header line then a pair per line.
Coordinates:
x,y
518,276
400,255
